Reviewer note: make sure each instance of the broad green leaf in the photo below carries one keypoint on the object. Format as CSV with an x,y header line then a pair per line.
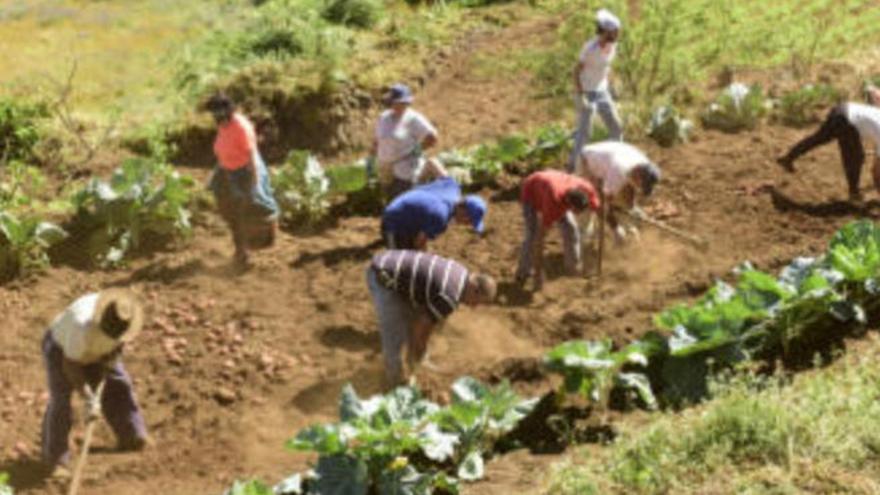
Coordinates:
x,y
467,389
350,407
471,468
437,445
292,485
251,487
341,475
324,439
640,384
405,481
49,234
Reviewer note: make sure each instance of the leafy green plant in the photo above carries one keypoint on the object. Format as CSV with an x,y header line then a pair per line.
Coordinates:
x,y
251,487
144,197
20,128
5,489
356,13
24,242
738,108
668,127
801,107
592,369
302,189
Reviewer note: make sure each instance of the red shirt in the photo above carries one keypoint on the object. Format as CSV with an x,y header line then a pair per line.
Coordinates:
x,y
545,192
235,143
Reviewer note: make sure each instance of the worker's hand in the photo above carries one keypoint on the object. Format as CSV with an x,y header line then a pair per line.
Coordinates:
x,y
74,373
92,404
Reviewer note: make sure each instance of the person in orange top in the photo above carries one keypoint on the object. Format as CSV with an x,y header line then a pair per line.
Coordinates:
x,y
552,197
241,182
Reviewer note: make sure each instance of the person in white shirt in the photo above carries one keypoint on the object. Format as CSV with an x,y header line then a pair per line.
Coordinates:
x,y
402,134
618,170
591,84
81,349
848,123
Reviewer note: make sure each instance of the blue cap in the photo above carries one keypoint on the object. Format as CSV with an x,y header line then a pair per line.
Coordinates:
x,y
476,209
399,93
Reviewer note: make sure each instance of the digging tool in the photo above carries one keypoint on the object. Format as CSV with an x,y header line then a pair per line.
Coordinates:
x,y
639,215
602,213
94,408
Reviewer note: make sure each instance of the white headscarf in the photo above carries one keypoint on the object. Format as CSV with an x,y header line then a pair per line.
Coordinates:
x,y
607,21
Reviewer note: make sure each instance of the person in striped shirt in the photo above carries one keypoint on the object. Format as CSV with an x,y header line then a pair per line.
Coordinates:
x,y
414,292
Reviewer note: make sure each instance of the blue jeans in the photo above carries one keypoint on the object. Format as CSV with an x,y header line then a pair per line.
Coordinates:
x,y
571,242
586,105
396,314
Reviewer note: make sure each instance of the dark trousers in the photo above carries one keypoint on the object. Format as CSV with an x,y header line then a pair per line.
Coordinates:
x,y
837,126
118,404
396,240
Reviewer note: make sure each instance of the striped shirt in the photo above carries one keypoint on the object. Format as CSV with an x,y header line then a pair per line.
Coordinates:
x,y
426,279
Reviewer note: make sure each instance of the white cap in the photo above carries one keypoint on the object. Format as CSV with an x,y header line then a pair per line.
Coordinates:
x,y
607,21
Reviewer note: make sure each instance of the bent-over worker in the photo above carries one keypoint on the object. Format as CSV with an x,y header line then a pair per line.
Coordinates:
x,y
424,212
619,170
414,292
82,347
848,124
552,197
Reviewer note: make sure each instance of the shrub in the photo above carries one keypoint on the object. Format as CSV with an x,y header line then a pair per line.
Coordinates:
x,y
19,128
668,127
355,13
24,242
738,108
799,108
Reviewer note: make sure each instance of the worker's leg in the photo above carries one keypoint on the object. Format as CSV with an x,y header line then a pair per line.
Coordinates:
x,y
571,242
608,111
852,154
120,406
830,129
57,420
583,131
530,219
394,314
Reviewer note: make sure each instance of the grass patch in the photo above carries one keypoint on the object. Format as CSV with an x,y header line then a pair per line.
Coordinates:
x,y
815,435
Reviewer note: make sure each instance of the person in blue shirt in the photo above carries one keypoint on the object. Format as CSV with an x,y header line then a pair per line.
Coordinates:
x,y
424,212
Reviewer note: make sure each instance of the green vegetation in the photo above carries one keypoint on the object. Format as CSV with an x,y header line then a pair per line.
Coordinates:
x,y
667,127
800,107
354,13
760,435
20,128
302,190
4,488
737,108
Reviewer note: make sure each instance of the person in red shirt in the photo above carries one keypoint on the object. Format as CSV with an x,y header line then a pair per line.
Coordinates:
x,y
552,197
241,182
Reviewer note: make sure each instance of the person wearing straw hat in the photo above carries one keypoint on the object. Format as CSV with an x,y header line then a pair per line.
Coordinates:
x,y
240,182
402,134
424,212
618,170
552,197
81,349
592,93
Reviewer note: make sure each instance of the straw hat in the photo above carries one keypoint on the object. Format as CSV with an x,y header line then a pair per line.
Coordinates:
x,y
128,308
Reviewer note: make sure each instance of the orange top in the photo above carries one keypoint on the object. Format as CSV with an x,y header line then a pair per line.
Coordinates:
x,y
235,143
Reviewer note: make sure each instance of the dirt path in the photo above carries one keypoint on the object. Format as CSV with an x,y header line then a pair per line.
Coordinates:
x,y
230,367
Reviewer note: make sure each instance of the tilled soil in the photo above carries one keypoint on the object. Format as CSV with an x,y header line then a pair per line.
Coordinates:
x,y
229,366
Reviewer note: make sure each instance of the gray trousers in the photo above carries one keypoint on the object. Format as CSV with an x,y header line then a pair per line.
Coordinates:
x,y
571,241
586,105
396,314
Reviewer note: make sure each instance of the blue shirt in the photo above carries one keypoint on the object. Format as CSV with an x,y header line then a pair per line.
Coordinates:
x,y
427,208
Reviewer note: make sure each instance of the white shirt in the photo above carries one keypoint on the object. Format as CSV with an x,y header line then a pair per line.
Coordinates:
x,y
397,140
865,118
611,162
76,332
596,65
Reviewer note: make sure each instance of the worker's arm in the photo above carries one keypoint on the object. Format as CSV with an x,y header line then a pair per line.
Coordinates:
x,y
578,68
429,141
422,327
74,373
421,241
628,197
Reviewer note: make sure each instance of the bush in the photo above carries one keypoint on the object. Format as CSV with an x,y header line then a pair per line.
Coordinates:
x,y
19,128
24,243
668,128
801,107
355,13
738,108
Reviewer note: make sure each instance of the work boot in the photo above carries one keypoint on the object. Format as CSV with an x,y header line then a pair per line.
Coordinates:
x,y
786,163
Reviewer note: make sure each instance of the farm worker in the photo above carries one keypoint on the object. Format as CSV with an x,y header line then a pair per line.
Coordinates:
x,y
241,182
552,197
592,93
618,170
424,212
82,347
402,134
414,292
848,123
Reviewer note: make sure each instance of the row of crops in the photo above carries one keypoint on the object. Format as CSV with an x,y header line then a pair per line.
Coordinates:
x,y
401,443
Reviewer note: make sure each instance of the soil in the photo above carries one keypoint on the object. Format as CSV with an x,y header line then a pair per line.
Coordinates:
x,y
230,366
